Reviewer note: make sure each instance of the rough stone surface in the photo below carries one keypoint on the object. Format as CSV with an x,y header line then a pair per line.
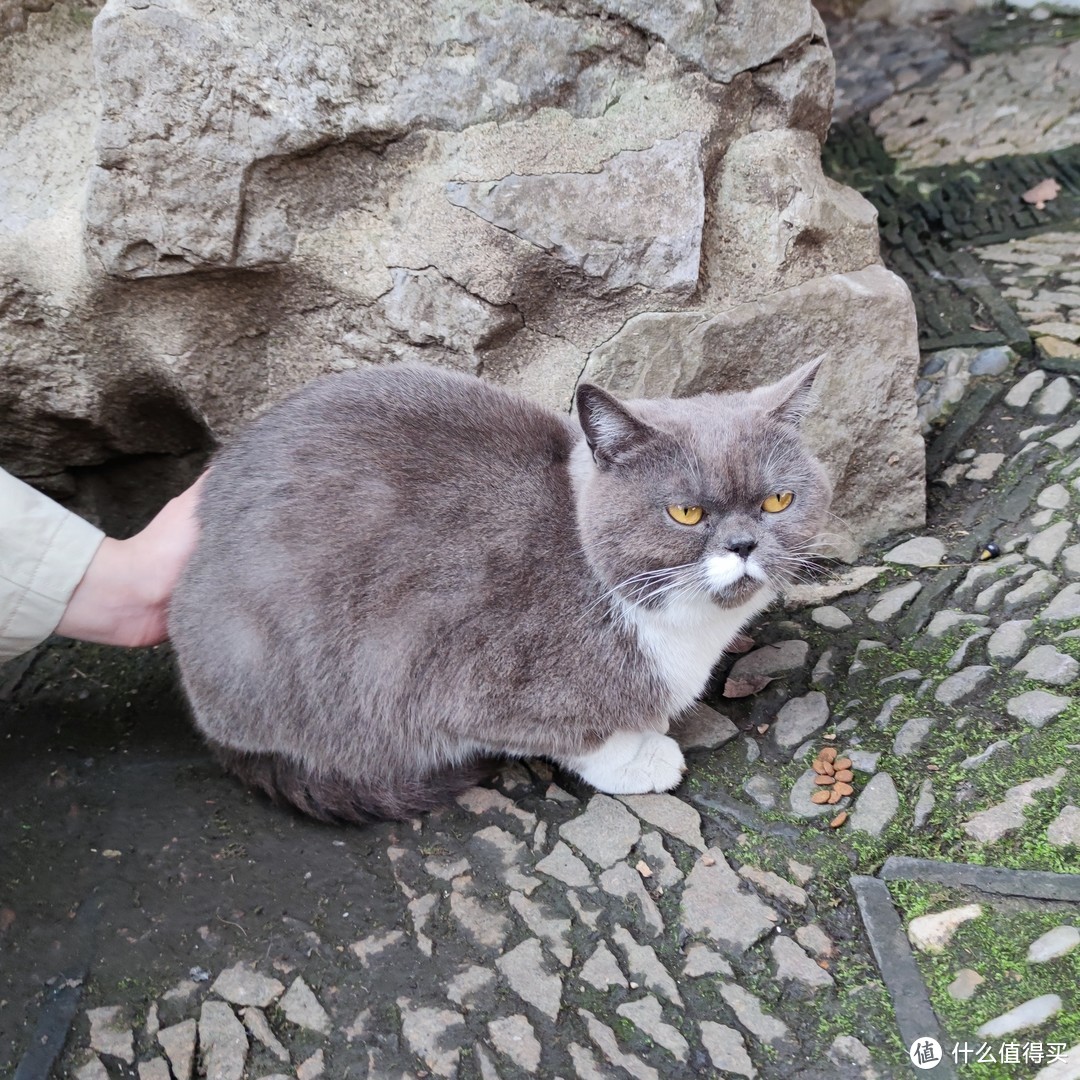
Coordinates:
x,y
965,985
922,551
792,963
582,218
646,1014
832,618
605,1039
1028,1015
932,933
1065,828
1065,606
110,1033
912,735
259,1029
178,1042
1053,944
924,805
1045,546
771,660
301,1007
774,885
604,833
713,904
513,1036
1046,664
963,684
645,967
993,823
223,1043
1036,707
242,985
1008,641
973,111
523,969
493,188
798,720
726,1049
563,864
876,805
892,602
670,815
433,1035
750,1014
602,969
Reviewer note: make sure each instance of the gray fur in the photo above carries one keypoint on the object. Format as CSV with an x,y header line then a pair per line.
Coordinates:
x,y
403,572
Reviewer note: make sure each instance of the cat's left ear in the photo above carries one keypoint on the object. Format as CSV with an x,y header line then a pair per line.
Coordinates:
x,y
611,430
792,397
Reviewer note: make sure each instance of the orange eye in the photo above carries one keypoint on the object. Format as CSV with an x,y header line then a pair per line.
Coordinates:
x,y
780,501
686,515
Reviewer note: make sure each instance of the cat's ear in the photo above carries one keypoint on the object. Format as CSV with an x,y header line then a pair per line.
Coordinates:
x,y
611,430
792,397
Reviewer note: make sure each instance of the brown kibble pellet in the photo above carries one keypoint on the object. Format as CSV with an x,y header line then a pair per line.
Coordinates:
x,y
838,820
834,796
828,754
843,763
844,789
822,768
821,796
823,780
844,775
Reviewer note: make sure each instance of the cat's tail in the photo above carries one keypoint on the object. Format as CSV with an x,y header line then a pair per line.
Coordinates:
x,y
338,799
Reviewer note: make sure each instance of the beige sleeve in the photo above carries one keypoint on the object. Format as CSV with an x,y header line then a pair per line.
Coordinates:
x,y
44,552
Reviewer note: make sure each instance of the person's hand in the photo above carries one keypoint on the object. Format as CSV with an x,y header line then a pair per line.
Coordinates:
x,y
123,598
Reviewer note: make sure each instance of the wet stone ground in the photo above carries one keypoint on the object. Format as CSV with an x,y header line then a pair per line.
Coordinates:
x,y
877,844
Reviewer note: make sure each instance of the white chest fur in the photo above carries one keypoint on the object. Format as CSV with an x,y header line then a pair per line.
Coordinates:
x,y
687,636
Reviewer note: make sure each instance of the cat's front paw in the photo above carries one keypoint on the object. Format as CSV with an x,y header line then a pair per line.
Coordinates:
x,y
633,763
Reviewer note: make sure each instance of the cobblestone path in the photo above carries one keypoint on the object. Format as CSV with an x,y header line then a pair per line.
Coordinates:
x,y
874,855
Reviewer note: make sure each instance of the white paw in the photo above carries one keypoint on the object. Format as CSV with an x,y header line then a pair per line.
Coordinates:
x,y
633,763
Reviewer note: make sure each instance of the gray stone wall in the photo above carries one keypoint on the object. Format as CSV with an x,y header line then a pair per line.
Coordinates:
x,y
203,206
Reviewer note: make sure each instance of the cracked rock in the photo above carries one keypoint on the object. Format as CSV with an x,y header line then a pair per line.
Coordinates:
x,y
523,969
433,1035
726,1049
301,1007
178,1042
1008,815
604,833
750,1014
636,221
514,1037
647,1015
876,806
602,970
799,720
256,1023
1036,707
242,985
223,1042
110,1033
1045,664
644,966
605,1040
713,903
670,815
792,963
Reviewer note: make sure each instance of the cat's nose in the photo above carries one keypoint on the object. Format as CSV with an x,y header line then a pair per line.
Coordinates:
x,y
741,545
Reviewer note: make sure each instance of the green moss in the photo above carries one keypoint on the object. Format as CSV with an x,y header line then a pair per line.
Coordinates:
x,y
995,945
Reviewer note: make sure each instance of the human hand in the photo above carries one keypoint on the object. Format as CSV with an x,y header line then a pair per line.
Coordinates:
x,y
123,598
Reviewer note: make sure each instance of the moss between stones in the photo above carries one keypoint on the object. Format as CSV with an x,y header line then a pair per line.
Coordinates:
x,y
995,945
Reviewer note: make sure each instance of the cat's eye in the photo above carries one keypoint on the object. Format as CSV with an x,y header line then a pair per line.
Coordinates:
x,y
780,501
686,515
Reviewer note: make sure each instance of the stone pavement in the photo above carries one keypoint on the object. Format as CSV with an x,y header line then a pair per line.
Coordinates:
x,y
878,847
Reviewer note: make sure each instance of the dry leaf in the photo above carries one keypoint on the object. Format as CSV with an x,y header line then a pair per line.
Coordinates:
x,y
1043,192
741,643
745,687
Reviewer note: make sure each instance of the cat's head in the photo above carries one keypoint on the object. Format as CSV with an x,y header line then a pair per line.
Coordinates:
x,y
713,495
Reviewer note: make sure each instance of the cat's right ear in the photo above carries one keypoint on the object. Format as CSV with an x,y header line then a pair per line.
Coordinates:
x,y
611,430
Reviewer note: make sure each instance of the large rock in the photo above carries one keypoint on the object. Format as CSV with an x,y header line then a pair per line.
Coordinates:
x,y
864,428
507,188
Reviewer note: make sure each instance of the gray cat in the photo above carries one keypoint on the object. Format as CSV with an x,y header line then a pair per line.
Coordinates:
x,y
405,573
